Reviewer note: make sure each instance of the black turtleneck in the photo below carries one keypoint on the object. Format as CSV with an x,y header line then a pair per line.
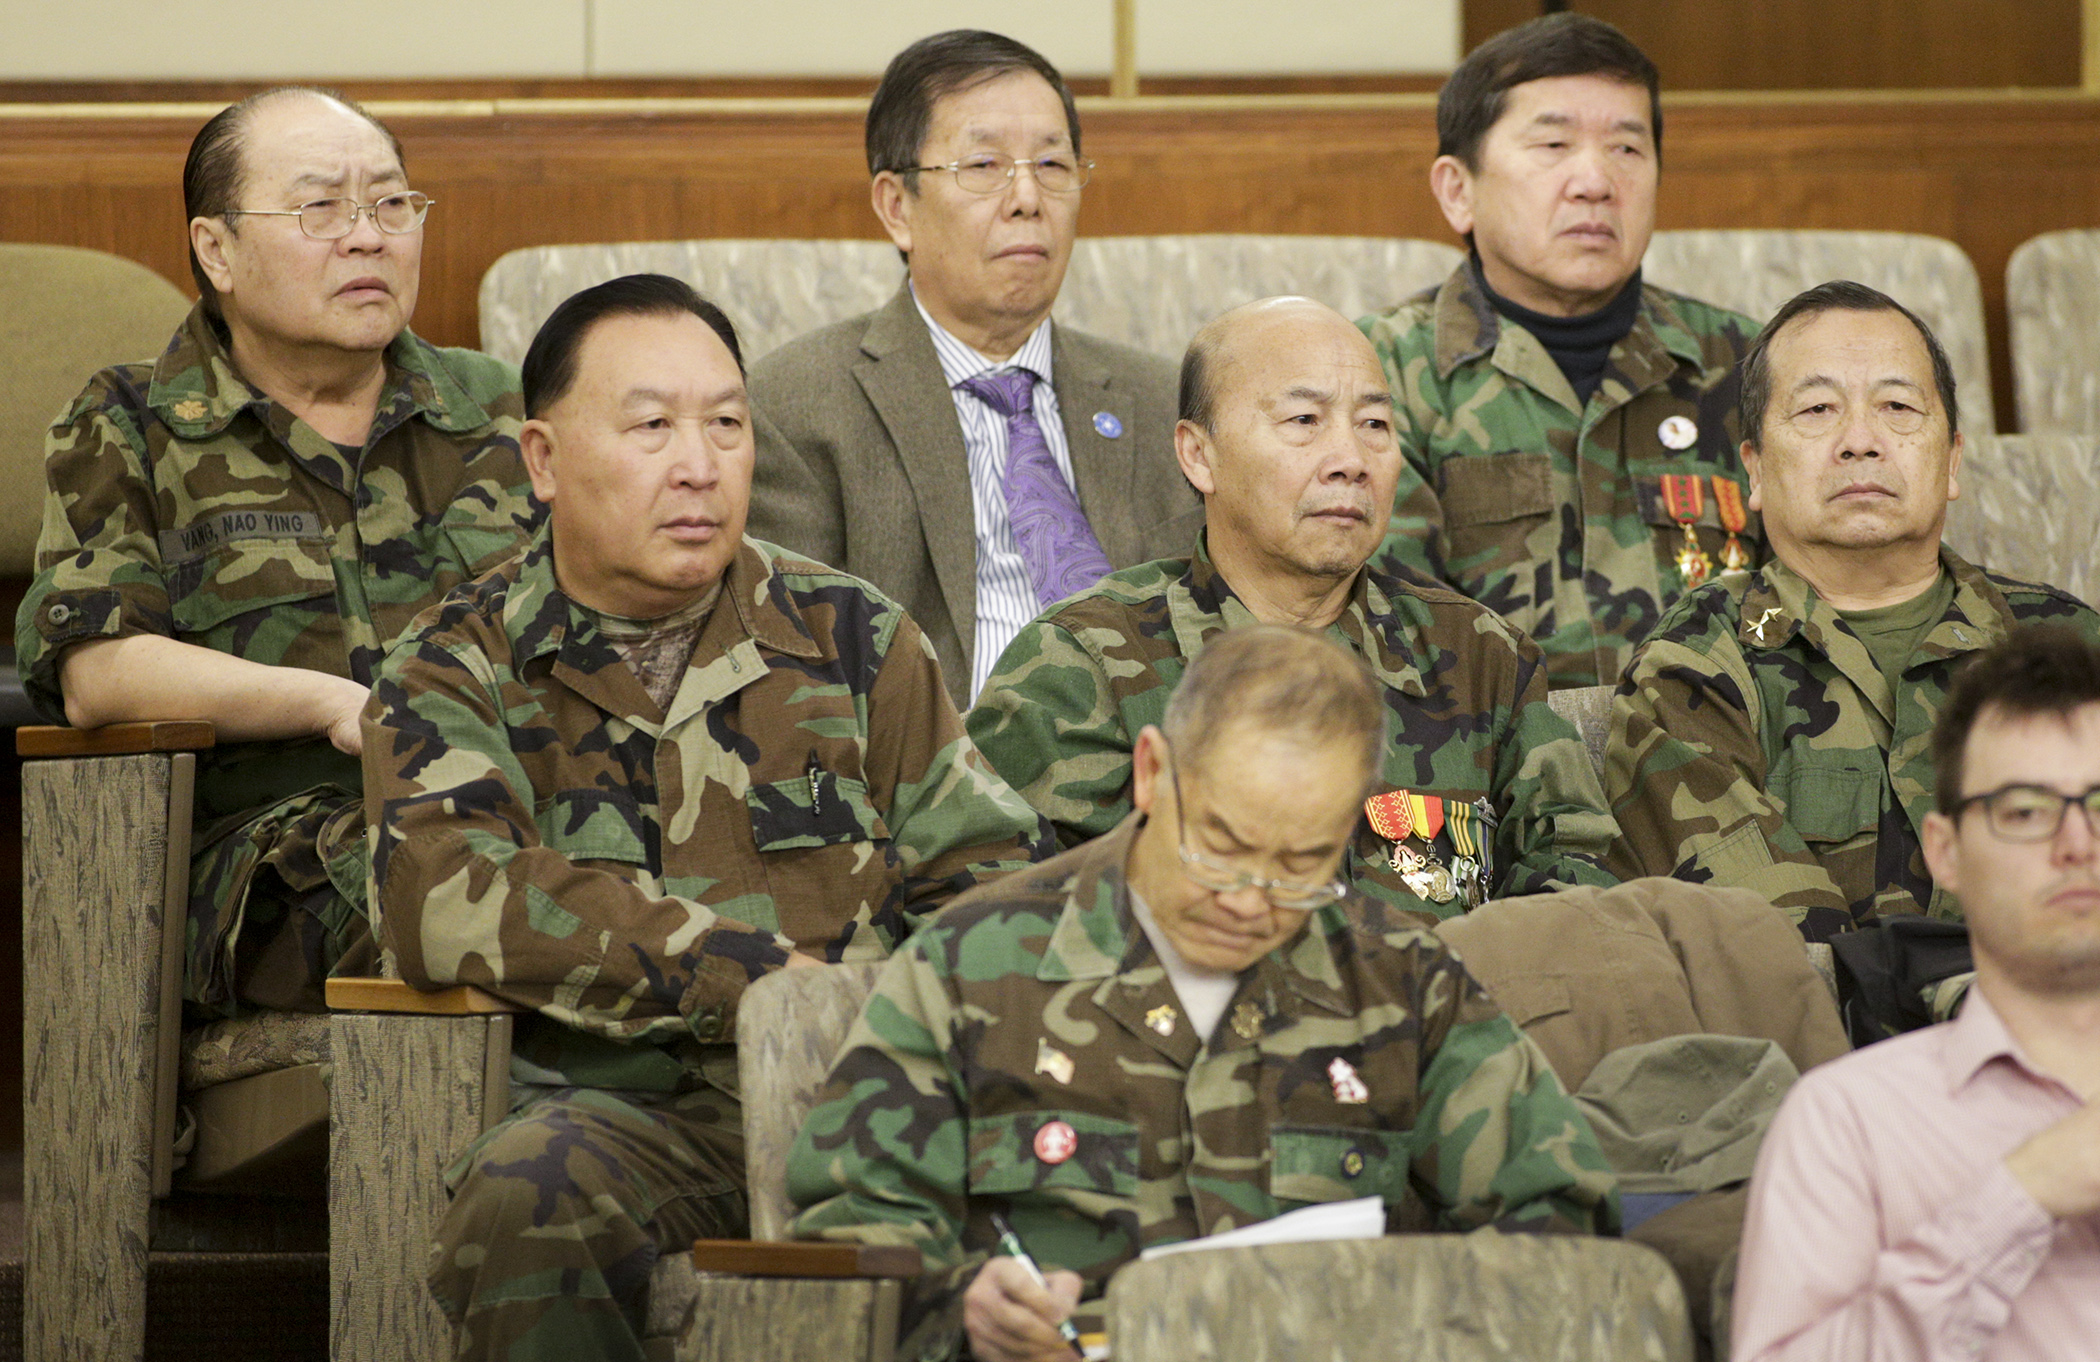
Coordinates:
x,y
1579,345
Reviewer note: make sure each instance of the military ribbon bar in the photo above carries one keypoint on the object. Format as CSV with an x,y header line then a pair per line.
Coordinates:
x,y
1735,518
1684,496
1389,815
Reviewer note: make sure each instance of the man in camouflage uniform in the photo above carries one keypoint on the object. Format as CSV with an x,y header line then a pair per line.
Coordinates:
x,y
236,532
1569,458
624,776
1181,1028
1286,431
1774,731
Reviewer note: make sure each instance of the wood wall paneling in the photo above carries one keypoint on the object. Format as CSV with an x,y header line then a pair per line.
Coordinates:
x,y
1988,171
1832,44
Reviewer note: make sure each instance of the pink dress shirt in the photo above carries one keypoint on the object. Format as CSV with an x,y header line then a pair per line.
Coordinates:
x,y
1883,1225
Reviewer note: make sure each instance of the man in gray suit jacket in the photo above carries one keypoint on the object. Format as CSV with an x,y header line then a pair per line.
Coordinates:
x,y
954,447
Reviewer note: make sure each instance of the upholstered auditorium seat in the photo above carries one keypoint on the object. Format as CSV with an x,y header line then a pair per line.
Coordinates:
x,y
2030,507
1756,271
64,313
1155,291
1151,292
2052,298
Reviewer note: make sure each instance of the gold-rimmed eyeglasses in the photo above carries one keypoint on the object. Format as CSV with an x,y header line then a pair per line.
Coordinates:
x,y
334,219
1293,896
990,173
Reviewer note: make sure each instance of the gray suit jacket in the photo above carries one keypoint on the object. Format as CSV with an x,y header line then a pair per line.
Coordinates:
x,y
861,463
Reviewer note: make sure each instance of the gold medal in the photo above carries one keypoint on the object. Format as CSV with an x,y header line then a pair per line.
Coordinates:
x,y
1684,496
1728,500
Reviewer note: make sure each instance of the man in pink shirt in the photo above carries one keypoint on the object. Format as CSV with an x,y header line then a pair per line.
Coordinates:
x,y
1938,1195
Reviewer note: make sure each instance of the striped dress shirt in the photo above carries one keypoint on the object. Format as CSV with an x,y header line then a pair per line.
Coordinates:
x,y
1005,596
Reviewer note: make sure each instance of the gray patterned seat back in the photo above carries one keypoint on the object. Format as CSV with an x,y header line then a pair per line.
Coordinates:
x,y
789,1027
1755,272
1589,709
1150,292
1482,1297
1153,292
773,290
2030,508
2052,296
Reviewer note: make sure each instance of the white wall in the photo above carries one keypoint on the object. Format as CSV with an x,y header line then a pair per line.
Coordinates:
x,y
307,39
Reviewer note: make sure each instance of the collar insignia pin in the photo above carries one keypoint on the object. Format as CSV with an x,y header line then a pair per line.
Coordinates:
x,y
1757,626
189,409
1161,1019
1106,423
1052,1061
1349,1089
1246,1021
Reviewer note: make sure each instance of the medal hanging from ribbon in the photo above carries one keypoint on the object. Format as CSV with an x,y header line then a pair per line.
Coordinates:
x,y
1465,857
1684,497
1425,876
1735,518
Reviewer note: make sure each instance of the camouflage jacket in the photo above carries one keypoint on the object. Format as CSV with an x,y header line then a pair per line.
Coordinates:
x,y
183,502
1467,695
1038,1001
1755,743
543,830
1549,515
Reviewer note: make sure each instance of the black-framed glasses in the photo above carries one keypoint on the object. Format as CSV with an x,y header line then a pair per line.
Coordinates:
x,y
2031,813
334,219
989,173
1293,896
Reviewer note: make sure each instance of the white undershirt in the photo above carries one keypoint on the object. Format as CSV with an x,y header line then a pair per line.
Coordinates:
x,y
1204,993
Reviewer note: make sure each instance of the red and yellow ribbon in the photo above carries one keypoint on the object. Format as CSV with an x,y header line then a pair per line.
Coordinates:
x,y
1684,497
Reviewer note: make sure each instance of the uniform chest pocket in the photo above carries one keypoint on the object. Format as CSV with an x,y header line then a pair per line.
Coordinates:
x,y
1337,1163
1831,797
591,824
1067,1151
822,809
244,576
1496,489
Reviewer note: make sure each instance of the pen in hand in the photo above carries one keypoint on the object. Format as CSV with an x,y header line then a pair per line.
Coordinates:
x,y
1010,1245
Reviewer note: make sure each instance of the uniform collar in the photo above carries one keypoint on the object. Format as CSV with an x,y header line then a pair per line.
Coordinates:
x,y
1203,605
540,619
1468,327
1097,935
197,391
1780,603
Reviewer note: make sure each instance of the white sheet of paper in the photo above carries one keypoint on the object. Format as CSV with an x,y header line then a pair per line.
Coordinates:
x,y
1363,1218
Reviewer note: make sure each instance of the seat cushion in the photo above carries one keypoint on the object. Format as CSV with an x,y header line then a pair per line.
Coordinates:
x,y
240,1047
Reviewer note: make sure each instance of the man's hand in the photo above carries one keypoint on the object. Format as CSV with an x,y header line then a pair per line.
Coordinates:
x,y
1011,1319
339,702
2060,1167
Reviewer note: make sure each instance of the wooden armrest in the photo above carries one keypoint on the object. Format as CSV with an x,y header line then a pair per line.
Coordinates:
x,y
392,995
803,1258
115,740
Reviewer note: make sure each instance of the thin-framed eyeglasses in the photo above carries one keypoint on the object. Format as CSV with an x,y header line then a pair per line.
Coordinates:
x,y
334,219
1293,896
989,173
2031,813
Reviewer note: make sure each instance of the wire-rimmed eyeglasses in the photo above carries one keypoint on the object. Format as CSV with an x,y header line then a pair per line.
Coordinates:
x,y
990,173
334,219
1293,896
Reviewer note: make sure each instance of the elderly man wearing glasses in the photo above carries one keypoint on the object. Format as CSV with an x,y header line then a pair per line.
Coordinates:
x,y
1287,430
993,462
1185,1026
236,531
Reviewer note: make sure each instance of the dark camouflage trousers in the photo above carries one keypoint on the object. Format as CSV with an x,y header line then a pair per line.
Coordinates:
x,y
560,1212
277,904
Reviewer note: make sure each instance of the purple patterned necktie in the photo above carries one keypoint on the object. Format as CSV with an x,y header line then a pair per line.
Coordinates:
x,y
1056,542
